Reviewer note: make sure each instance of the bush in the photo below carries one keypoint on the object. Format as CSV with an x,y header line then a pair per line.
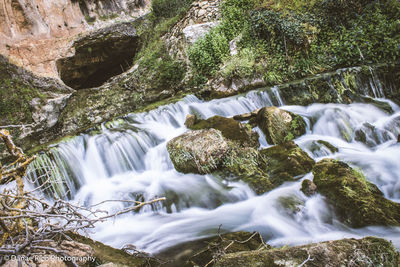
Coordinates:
x,y
158,69
169,8
240,65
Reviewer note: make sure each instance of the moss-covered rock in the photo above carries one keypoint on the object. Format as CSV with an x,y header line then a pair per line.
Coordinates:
x,y
105,254
200,252
280,126
357,202
285,162
244,164
369,251
230,129
200,151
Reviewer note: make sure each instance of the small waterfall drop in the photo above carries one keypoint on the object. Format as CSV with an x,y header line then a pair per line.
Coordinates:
x,y
129,160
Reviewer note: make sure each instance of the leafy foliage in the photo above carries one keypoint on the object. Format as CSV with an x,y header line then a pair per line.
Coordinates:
x,y
291,39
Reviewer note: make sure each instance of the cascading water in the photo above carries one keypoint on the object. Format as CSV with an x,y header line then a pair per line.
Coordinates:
x,y
129,160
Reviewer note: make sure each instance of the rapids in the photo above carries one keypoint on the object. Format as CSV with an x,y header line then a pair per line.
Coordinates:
x,y
127,159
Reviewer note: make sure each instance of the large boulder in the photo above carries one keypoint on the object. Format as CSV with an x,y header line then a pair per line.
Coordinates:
x,y
357,202
230,129
369,251
279,125
99,56
200,151
285,162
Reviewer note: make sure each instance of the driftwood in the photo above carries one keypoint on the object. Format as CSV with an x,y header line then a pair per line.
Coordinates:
x,y
28,222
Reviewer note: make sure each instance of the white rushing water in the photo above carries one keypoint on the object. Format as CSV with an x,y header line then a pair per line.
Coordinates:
x,y
129,160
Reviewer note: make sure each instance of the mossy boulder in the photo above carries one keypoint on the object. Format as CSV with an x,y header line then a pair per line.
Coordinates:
x,y
244,164
279,125
285,162
105,254
357,202
200,252
230,129
369,251
199,151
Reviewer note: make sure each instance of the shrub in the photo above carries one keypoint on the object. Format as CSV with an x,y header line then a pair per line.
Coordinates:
x,y
169,8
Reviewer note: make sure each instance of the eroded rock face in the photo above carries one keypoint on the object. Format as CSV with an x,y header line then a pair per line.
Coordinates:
x,y
99,56
35,33
346,252
198,151
280,126
357,202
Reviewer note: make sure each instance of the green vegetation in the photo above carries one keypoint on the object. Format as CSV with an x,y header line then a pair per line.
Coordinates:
x,y
290,39
357,202
169,8
156,69
15,97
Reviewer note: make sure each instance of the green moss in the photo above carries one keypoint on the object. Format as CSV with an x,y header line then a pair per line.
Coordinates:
x,y
243,164
331,147
357,202
106,254
369,251
285,162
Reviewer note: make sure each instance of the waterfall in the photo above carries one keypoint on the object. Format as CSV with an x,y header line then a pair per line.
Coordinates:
x,y
129,160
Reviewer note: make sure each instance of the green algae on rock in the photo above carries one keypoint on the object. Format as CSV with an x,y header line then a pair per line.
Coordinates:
x,y
279,125
369,251
357,202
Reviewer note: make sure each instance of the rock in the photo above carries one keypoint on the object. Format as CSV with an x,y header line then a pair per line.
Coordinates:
x,y
285,162
308,187
108,255
243,117
99,56
328,145
346,252
233,45
279,125
371,135
190,120
200,252
398,138
200,151
357,202
230,129
194,32
243,163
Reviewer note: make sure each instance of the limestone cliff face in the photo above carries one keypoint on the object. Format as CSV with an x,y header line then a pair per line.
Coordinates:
x,y
35,33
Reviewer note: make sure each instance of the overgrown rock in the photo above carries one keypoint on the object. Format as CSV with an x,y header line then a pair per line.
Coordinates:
x,y
285,162
201,252
369,251
200,151
244,164
280,126
357,202
99,56
230,129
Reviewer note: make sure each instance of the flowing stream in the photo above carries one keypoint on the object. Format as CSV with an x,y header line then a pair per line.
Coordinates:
x,y
128,159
